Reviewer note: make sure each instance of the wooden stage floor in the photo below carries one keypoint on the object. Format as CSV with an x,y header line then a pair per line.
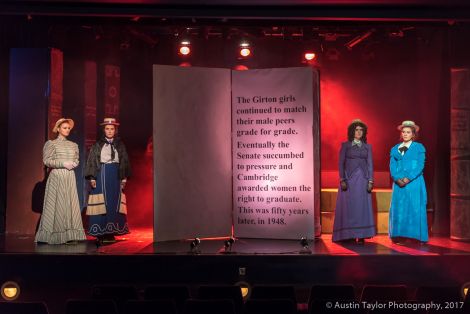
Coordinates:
x,y
140,241
55,273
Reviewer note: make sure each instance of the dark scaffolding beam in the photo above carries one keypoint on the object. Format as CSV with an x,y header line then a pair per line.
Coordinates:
x,y
379,10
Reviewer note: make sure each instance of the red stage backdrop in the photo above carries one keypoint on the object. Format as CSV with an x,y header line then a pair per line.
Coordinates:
x,y
112,90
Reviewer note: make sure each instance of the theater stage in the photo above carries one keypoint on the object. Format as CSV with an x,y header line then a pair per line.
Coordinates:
x,y
55,273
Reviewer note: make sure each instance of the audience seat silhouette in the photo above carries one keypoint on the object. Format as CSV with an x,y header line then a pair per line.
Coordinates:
x,y
195,306
118,293
332,292
273,292
179,294
271,306
150,307
222,292
91,307
23,308
320,295
438,294
384,293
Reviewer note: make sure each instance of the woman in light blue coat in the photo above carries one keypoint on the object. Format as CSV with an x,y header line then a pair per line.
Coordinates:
x,y
408,207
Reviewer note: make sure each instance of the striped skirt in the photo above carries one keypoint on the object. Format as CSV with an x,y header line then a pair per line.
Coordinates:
x,y
61,220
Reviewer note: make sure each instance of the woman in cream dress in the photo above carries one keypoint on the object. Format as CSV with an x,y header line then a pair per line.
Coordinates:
x,y
61,220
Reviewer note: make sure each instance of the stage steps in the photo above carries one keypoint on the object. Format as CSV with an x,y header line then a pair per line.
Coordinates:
x,y
380,203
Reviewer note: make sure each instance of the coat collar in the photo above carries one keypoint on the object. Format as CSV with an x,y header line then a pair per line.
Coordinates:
x,y
397,154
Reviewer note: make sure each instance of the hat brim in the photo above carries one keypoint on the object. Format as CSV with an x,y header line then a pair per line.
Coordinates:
x,y
401,126
110,123
60,121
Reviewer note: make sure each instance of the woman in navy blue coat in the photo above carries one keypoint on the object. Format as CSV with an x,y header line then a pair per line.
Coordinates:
x,y
354,218
408,207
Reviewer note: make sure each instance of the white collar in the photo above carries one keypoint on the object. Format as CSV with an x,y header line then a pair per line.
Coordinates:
x,y
408,144
356,142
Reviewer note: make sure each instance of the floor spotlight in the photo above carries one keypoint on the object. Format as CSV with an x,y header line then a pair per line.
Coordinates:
x,y
184,48
245,289
10,291
194,246
228,245
466,291
244,50
305,246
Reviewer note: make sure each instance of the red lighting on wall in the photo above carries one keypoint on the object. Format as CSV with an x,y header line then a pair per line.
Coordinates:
x,y
185,64
241,67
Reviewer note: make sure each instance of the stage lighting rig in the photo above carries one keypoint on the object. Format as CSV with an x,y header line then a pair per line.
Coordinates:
x,y
356,40
194,246
228,245
305,246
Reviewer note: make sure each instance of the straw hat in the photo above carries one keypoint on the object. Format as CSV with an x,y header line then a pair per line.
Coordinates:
x,y
60,121
109,121
409,124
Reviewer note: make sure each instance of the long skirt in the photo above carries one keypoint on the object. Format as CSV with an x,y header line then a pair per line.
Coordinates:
x,y
408,217
113,222
61,220
353,213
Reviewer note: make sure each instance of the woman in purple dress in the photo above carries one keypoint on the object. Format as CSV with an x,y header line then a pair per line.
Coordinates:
x,y
353,213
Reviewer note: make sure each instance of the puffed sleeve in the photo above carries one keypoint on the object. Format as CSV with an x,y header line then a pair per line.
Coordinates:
x,y
48,158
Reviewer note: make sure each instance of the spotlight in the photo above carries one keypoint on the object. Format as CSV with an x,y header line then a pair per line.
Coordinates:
x,y
245,289
244,50
194,246
309,55
228,245
465,291
305,246
10,291
184,48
